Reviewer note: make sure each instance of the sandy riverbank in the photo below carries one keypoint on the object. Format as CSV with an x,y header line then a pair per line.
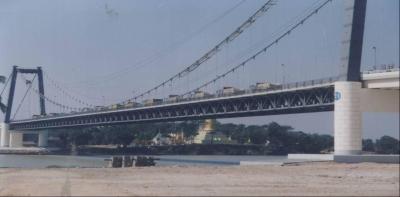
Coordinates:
x,y
325,178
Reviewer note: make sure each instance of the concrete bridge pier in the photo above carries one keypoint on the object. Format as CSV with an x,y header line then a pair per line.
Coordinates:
x,y
13,139
347,118
352,99
16,139
43,138
4,135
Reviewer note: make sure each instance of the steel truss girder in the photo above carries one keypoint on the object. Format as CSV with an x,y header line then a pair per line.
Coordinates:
x,y
315,99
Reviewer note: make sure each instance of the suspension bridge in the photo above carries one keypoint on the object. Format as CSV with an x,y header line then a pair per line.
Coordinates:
x,y
348,94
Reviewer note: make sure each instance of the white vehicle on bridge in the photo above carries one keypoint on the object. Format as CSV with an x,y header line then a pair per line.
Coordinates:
x,y
86,109
36,116
264,86
150,102
99,108
131,104
173,98
54,114
202,94
229,91
115,106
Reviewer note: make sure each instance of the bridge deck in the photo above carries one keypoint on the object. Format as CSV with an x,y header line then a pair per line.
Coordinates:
x,y
382,80
310,98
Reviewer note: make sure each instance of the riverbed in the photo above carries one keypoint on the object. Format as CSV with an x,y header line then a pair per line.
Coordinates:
x,y
317,179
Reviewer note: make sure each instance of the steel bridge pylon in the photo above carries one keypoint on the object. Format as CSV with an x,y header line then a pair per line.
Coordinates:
x,y
15,138
347,111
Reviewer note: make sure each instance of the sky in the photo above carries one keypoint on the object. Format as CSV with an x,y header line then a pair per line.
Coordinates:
x,y
102,51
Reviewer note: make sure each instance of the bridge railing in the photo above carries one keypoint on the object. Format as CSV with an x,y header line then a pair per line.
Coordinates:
x,y
310,83
287,86
382,68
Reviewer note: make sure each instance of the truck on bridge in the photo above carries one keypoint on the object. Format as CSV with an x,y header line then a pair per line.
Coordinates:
x,y
264,86
173,98
229,91
153,101
131,104
202,94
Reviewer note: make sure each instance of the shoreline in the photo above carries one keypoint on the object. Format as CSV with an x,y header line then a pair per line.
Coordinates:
x,y
181,149
62,161
24,151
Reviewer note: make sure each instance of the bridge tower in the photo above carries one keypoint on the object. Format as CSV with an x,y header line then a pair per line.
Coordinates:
x,y
14,138
347,113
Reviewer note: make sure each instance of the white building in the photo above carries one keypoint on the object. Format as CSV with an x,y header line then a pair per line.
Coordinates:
x,y
159,139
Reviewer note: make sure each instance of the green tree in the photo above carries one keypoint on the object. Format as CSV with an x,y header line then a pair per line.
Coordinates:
x,y
80,137
119,134
64,138
387,145
257,134
368,145
240,134
189,128
226,129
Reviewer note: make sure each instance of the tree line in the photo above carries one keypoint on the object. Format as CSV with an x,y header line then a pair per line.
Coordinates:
x,y
279,139
383,145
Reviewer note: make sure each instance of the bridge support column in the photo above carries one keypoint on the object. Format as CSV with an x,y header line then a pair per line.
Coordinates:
x,y
4,135
16,139
347,118
43,138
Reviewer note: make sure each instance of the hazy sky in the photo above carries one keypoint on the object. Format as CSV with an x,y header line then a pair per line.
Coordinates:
x,y
103,51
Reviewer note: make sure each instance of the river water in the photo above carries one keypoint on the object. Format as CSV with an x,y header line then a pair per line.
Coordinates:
x,y
47,161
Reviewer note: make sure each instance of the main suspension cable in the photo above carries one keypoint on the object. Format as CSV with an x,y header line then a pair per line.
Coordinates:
x,y
51,101
62,90
263,50
167,51
238,31
5,84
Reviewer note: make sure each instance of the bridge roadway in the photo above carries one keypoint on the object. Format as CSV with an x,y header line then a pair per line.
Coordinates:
x,y
291,99
300,97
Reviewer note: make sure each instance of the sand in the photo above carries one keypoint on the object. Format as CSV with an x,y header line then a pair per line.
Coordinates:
x,y
319,179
